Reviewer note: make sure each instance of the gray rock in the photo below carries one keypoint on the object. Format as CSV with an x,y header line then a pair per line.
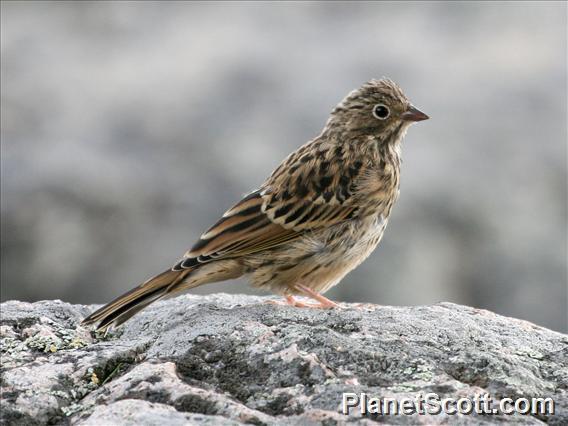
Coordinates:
x,y
226,359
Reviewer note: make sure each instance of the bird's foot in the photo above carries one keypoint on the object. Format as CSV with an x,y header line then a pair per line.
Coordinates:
x,y
299,304
292,301
324,302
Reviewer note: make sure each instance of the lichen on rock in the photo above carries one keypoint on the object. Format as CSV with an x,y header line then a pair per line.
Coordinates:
x,y
231,359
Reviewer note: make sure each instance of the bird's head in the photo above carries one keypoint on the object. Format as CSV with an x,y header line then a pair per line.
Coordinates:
x,y
377,108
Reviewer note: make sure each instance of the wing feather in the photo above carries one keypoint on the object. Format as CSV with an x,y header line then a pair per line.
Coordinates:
x,y
300,196
243,229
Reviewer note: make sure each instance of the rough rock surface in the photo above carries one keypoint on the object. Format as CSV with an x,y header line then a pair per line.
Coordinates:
x,y
228,360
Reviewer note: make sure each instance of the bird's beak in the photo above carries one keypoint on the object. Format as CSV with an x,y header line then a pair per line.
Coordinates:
x,y
413,114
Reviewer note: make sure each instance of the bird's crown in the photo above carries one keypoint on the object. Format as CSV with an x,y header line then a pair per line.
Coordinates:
x,y
374,91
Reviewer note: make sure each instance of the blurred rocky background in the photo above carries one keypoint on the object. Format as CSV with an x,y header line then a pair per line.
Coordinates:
x,y
127,128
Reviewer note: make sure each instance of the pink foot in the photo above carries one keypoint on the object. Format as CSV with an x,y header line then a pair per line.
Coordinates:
x,y
324,302
292,301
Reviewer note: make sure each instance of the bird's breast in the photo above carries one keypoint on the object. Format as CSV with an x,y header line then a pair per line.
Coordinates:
x,y
378,190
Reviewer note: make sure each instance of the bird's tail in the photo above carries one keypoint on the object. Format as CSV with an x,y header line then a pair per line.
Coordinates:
x,y
165,284
124,307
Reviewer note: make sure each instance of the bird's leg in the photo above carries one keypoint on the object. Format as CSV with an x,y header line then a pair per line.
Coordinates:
x,y
324,302
290,301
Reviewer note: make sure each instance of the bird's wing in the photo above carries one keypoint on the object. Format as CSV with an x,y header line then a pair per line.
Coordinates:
x,y
243,229
299,197
313,188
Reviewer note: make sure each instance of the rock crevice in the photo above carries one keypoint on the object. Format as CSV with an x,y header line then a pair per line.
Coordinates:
x,y
227,359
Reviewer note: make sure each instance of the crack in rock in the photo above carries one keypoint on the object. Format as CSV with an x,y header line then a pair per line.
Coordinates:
x,y
231,359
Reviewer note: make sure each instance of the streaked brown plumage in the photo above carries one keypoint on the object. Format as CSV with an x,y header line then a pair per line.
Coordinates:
x,y
318,216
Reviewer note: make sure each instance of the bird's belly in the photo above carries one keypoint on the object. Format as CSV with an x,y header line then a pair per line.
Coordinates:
x,y
318,260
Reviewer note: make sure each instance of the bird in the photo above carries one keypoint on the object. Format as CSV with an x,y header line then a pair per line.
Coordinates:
x,y
318,216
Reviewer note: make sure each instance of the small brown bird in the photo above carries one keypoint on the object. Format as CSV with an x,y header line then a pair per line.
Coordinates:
x,y
318,216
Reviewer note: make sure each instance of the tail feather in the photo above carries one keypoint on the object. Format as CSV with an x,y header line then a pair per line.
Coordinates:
x,y
130,303
167,283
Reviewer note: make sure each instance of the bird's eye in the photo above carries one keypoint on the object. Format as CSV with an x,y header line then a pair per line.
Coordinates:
x,y
381,112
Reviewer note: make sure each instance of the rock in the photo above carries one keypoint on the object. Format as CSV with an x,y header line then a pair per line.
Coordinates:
x,y
226,359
